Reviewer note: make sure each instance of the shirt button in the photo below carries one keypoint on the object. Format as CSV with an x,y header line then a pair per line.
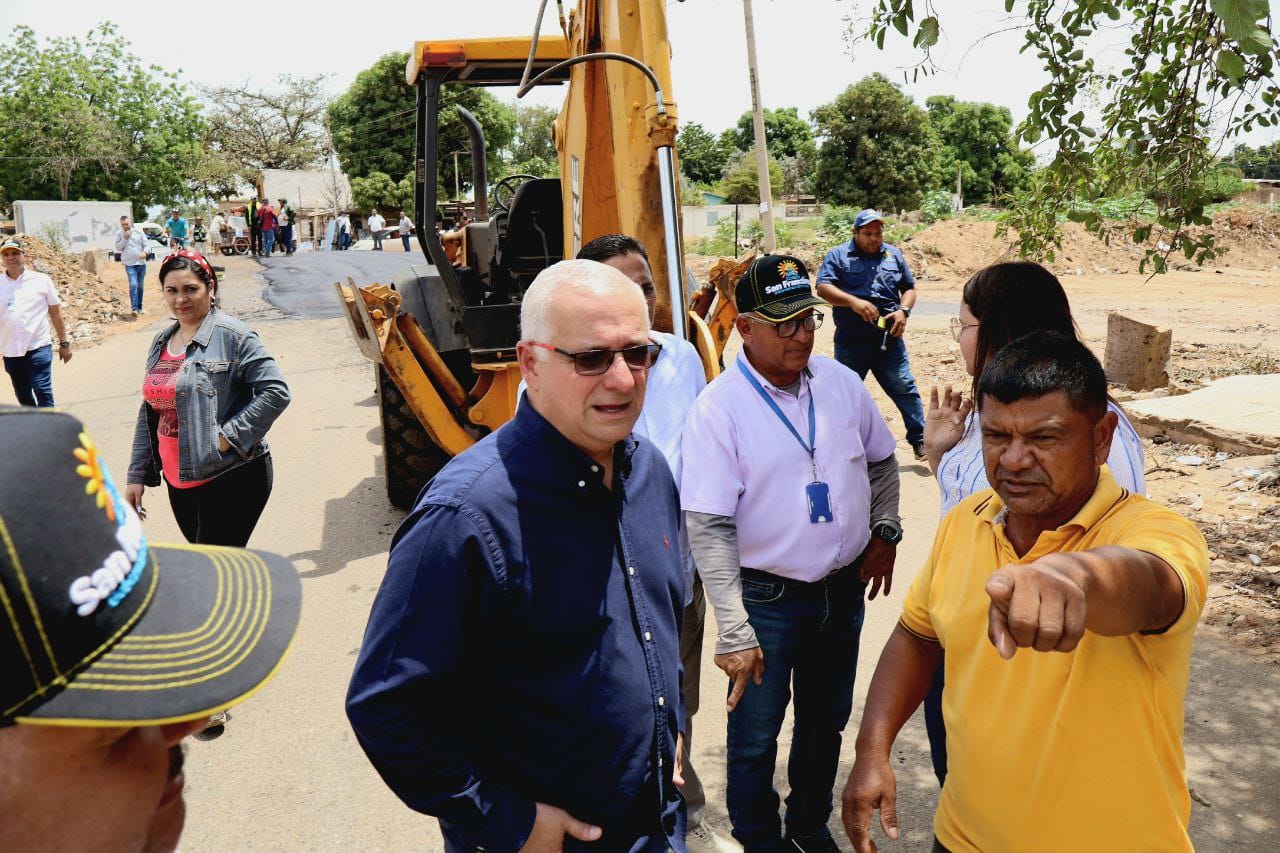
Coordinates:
x,y
662,700
582,484
631,570
595,469
647,636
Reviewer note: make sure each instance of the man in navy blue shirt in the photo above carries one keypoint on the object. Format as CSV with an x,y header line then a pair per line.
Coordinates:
x,y
872,292
520,675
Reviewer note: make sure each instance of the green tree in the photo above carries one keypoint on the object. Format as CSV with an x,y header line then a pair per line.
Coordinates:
x,y
742,179
258,129
377,189
1261,163
702,155
373,125
85,119
787,134
532,150
1194,69
979,136
878,148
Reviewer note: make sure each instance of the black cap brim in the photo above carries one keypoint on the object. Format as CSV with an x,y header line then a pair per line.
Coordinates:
x,y
215,629
785,309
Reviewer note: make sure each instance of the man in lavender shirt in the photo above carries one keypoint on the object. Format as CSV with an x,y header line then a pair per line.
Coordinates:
x,y
790,492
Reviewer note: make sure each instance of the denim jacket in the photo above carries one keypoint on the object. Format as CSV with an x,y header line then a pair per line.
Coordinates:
x,y
229,385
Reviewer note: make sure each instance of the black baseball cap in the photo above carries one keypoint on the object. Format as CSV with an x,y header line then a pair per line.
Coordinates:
x,y
776,287
98,626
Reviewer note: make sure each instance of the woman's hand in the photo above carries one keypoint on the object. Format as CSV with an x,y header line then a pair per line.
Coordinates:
x,y
133,497
944,423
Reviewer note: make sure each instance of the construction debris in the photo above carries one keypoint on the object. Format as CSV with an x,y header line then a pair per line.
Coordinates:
x,y
88,303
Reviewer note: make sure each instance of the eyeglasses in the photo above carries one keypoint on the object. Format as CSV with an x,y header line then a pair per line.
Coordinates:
x,y
958,326
594,362
788,328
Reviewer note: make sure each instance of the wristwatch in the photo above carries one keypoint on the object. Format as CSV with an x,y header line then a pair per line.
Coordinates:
x,y
888,531
906,312
62,344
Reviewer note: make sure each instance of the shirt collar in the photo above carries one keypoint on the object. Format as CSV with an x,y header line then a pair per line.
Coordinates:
x,y
1104,497
530,425
806,376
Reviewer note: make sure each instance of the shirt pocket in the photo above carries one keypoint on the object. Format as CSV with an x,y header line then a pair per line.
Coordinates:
x,y
212,377
890,272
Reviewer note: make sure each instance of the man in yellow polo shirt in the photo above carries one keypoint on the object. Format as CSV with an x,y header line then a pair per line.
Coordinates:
x,y
1066,607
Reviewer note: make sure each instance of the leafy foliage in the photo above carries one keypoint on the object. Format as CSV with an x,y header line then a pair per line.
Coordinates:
x,y
85,119
742,179
254,129
786,133
878,148
532,150
750,236
703,157
378,190
1193,66
978,137
373,125
1262,162
936,205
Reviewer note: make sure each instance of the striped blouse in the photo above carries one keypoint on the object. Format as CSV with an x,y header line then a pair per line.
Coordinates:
x,y
961,471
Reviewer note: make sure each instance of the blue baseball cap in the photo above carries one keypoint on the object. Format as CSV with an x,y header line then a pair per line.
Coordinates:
x,y
866,217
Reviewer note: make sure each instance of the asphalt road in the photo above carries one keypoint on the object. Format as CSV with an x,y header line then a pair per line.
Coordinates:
x,y
301,285
287,773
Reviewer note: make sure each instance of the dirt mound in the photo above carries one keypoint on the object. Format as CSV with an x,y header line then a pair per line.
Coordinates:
x,y
88,302
956,248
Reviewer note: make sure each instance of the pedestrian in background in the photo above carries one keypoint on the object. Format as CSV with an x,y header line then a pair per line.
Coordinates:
x,y
377,225
406,228
216,226
872,291
267,226
255,230
288,217
344,232
28,304
211,391
102,609
176,227
199,235
131,246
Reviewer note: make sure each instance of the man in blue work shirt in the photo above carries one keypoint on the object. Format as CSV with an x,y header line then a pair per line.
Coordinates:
x,y
176,227
520,675
872,292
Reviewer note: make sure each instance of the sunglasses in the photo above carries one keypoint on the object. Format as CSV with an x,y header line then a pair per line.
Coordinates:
x,y
788,328
594,362
958,326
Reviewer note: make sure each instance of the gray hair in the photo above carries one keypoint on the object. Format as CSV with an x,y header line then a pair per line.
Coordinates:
x,y
536,323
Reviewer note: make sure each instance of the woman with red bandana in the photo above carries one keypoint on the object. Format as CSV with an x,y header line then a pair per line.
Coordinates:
x,y
210,393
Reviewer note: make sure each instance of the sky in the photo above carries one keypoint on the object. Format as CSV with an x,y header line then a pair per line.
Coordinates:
x,y
805,58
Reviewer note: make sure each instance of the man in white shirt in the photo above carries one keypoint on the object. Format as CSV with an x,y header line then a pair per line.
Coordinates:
x,y
131,244
376,226
674,382
406,228
27,297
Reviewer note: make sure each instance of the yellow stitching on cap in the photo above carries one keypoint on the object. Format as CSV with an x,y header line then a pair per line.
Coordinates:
x,y
262,604
26,592
13,620
88,659
212,648
210,626
258,618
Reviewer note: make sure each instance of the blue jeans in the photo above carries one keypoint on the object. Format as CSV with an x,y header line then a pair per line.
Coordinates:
x,y
32,376
268,241
809,635
137,274
892,370
404,238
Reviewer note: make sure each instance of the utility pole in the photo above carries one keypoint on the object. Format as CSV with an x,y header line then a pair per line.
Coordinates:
x,y
762,148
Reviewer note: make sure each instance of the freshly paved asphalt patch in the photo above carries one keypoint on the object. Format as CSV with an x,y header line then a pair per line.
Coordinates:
x,y
301,285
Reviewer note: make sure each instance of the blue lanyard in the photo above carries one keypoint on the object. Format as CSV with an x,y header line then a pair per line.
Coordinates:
x,y
809,448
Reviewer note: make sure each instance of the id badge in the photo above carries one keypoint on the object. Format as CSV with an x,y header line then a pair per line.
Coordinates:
x,y
819,496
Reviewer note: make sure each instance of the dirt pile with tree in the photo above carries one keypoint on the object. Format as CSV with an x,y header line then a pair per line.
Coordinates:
x,y
89,304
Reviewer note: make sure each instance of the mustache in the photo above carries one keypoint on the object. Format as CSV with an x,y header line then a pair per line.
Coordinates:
x,y
1035,478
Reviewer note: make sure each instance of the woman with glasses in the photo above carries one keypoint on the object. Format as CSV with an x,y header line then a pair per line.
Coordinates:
x,y
999,303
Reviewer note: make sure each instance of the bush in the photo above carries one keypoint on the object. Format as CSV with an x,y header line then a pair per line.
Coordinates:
x,y
1222,183
837,221
752,233
936,205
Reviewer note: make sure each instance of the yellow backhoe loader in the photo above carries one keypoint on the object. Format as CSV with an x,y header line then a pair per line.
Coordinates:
x,y
442,336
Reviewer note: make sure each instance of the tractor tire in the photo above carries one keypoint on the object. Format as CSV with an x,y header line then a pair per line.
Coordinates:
x,y
409,457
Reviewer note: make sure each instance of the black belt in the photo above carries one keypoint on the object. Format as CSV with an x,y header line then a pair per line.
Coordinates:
x,y
762,576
